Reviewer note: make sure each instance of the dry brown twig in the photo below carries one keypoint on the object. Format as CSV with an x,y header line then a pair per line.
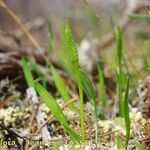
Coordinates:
x,y
6,100
35,24
10,61
52,116
33,119
21,25
93,11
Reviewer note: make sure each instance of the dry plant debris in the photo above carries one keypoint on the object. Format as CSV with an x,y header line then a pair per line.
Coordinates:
x,y
18,116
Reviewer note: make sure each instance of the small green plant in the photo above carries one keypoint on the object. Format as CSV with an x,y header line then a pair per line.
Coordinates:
x,y
73,60
84,83
90,92
48,100
126,113
82,86
56,110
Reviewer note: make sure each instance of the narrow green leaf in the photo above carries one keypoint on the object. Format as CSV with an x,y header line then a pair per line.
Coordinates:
x,y
101,87
88,87
59,83
66,65
55,109
90,92
126,113
51,103
36,68
27,73
119,142
118,38
72,133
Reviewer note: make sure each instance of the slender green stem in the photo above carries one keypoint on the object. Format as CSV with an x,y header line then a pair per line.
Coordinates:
x,y
101,88
120,96
96,125
81,107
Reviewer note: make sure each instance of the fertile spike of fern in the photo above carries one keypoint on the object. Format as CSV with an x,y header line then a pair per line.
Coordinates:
x,y
63,39
118,37
73,60
73,55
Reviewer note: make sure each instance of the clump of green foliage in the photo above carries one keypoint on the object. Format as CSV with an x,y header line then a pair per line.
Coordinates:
x,y
48,100
85,85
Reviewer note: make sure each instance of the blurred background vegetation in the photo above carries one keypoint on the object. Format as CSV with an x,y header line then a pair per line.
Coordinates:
x,y
89,20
